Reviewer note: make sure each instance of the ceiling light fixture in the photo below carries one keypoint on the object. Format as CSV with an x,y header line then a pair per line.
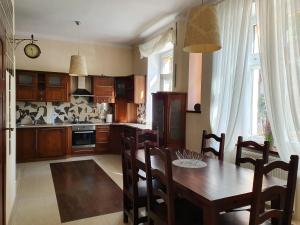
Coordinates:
x,y
202,31
78,63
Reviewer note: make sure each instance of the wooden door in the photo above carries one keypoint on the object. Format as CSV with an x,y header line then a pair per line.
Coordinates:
x,y
2,125
176,110
51,142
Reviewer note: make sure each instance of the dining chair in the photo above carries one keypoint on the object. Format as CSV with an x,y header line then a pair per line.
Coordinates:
x,y
146,135
163,207
134,189
262,150
206,148
282,197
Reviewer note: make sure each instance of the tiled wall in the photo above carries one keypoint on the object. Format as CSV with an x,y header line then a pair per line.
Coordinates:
x,y
61,112
79,107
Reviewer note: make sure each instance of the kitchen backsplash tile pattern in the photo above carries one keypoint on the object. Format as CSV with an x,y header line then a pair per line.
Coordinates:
x,y
79,107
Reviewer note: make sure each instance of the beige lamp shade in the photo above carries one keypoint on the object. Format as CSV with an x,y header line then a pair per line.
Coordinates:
x,y
78,66
202,32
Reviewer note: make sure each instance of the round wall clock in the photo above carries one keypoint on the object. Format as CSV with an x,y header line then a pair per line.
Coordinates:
x,y
32,50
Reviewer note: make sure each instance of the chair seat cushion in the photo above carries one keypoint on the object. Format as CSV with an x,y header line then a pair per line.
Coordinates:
x,y
236,218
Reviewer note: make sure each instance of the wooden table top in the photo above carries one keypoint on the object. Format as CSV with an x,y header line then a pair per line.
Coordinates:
x,y
218,182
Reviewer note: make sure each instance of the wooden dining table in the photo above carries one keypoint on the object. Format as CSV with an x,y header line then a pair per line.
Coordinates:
x,y
218,187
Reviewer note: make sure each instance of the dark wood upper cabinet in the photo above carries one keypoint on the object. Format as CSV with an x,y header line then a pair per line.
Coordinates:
x,y
131,89
169,118
27,85
42,86
57,87
104,89
51,142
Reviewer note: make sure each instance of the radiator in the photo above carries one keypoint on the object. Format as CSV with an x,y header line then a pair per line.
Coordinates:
x,y
254,155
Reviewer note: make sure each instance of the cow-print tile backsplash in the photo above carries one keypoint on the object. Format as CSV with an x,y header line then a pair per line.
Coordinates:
x,y
79,107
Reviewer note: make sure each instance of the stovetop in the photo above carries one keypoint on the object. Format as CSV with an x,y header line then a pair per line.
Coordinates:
x,y
82,122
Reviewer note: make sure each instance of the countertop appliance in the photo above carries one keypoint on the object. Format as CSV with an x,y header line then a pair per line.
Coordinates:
x,y
83,136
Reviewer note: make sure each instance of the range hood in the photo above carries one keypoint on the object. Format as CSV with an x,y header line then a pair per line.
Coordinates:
x,y
81,89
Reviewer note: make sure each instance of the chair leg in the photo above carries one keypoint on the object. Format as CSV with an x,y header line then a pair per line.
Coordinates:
x,y
125,207
135,215
125,217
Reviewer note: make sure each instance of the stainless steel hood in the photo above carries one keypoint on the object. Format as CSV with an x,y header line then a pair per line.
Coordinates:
x,y
81,89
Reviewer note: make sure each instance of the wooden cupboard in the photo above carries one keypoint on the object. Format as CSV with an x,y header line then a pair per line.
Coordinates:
x,y
40,143
104,89
102,139
57,87
42,86
51,142
26,85
131,89
26,144
169,118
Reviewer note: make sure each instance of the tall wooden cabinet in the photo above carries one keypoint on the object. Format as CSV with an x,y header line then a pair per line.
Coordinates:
x,y
169,117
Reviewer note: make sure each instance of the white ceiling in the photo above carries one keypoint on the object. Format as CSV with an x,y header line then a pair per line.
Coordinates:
x,y
111,21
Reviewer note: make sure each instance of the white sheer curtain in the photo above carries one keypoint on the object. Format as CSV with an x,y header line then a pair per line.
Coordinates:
x,y
280,61
158,43
229,92
279,22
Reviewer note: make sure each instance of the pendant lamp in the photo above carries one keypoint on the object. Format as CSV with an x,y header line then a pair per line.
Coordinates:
x,y
202,32
78,63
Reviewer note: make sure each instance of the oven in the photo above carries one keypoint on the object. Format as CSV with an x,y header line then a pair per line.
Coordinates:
x,y
83,136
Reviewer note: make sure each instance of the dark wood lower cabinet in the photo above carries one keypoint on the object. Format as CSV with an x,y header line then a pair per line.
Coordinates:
x,y
51,142
102,139
26,144
42,143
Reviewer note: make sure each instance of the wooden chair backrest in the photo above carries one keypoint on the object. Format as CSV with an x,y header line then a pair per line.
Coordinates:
x,y
129,168
146,135
205,148
251,145
163,176
284,195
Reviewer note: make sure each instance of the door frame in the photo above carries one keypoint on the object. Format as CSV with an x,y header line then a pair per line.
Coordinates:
x,y
3,152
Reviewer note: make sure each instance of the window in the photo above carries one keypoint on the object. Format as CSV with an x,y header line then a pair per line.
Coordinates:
x,y
166,71
160,75
260,126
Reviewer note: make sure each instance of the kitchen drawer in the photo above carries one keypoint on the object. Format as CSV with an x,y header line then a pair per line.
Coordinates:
x,y
102,136
104,128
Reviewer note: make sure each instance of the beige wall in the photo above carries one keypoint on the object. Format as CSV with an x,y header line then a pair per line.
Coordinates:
x,y
139,65
101,59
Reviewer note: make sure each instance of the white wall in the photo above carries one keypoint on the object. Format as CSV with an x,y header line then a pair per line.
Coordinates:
x,y
101,58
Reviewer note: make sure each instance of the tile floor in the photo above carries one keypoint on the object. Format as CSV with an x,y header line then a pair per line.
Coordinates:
x,y
36,200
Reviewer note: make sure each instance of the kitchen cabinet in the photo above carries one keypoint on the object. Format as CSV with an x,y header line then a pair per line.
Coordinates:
x,y
115,144
57,87
41,143
26,144
102,139
104,89
51,142
42,86
26,85
169,118
131,89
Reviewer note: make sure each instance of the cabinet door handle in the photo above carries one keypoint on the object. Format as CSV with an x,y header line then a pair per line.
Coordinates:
x,y
8,128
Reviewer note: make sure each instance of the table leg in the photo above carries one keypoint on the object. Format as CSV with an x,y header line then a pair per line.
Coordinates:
x,y
210,216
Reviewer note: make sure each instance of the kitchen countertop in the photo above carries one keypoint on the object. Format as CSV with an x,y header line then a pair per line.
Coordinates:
x,y
134,125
